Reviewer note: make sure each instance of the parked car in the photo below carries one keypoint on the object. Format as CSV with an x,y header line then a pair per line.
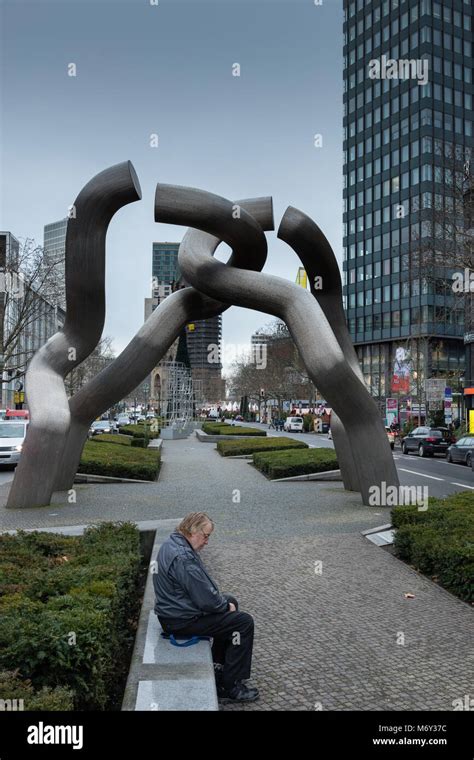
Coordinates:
x,y
239,418
12,436
391,437
427,441
293,425
123,419
101,426
462,451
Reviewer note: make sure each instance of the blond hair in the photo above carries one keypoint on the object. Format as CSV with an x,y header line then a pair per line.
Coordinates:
x,y
193,523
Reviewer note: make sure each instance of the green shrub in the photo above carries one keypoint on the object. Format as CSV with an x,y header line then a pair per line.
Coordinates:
x,y
139,442
250,445
222,428
243,431
12,687
439,541
123,440
73,622
286,464
120,461
138,431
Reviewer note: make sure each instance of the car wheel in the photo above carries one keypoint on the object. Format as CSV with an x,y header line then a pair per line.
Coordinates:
x,y
421,451
404,448
468,460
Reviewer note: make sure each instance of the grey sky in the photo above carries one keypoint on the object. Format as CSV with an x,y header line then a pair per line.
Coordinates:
x,y
167,69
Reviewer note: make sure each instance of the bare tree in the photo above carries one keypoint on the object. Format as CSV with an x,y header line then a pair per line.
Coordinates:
x,y
27,317
281,376
100,358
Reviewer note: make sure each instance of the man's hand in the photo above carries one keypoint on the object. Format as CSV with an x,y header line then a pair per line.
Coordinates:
x,y
232,607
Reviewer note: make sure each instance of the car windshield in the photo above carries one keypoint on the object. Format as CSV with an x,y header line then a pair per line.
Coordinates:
x,y
297,419
12,431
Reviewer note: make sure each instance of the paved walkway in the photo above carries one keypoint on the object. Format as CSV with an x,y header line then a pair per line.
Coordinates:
x,y
344,638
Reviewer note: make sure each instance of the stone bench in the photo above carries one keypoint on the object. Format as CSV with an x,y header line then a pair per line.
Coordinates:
x,y
163,676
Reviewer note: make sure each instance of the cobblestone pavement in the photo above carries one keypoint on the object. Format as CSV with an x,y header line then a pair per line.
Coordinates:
x,y
335,636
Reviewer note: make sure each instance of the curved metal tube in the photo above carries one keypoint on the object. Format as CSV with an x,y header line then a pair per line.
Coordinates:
x,y
315,253
321,353
160,330
95,206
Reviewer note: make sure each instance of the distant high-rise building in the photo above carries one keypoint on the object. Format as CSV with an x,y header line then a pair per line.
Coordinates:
x,y
54,260
202,337
165,267
408,130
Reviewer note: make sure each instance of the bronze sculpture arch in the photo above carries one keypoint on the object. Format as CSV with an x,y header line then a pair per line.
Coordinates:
x,y
58,427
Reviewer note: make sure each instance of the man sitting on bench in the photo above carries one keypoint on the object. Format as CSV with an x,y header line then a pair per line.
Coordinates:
x,y
188,603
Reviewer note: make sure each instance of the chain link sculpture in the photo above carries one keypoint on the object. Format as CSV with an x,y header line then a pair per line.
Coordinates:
x,y
59,426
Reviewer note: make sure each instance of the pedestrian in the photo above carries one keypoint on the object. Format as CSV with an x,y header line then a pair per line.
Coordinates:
x,y
189,603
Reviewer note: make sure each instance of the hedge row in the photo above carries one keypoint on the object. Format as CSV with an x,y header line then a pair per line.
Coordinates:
x,y
124,440
68,609
439,542
19,694
120,461
222,428
250,445
286,464
138,431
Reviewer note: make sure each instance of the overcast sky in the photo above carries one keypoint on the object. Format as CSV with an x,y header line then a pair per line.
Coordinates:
x,y
167,69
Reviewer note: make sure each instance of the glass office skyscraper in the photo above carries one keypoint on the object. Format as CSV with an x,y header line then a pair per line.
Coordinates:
x,y
203,336
408,141
54,243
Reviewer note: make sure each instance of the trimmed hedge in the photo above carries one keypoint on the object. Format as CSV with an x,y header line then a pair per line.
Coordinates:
x,y
68,611
120,461
285,464
250,445
138,431
222,428
13,689
439,542
124,440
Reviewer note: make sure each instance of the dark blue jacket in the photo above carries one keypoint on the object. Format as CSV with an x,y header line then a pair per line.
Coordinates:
x,y
183,588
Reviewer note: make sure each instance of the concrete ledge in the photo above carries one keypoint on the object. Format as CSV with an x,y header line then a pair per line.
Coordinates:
x,y
163,677
173,434
328,475
206,438
240,456
156,443
83,477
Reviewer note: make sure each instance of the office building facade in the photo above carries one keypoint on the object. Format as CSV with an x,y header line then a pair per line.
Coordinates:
x,y
408,133
54,261
202,337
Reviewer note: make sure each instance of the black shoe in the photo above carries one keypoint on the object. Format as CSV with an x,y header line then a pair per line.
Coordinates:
x,y
240,692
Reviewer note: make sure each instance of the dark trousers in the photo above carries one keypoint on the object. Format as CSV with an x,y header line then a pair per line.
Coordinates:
x,y
233,639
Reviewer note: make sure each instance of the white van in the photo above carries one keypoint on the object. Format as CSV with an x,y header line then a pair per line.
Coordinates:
x,y
12,437
293,425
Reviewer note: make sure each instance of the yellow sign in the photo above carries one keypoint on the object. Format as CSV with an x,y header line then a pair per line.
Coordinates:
x,y
191,327
471,420
302,278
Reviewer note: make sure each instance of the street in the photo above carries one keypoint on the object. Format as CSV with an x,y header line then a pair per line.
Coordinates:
x,y
6,475
441,477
